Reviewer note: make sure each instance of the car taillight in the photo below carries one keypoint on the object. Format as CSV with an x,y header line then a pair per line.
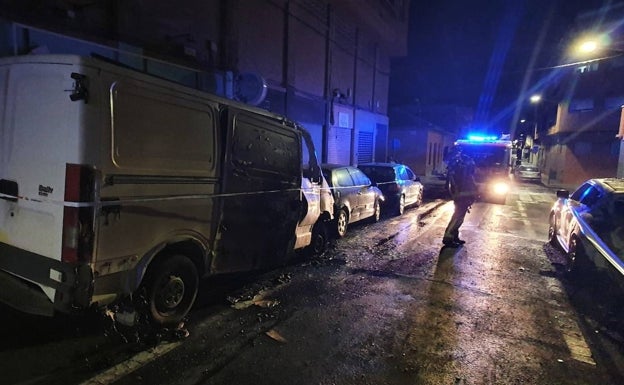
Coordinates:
x,y
78,213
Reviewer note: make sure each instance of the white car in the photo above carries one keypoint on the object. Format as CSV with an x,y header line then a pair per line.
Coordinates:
x,y
527,173
588,226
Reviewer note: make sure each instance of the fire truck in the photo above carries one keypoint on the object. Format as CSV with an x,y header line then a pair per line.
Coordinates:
x,y
493,162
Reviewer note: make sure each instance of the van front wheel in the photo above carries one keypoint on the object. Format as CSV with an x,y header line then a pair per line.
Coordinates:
x,y
170,289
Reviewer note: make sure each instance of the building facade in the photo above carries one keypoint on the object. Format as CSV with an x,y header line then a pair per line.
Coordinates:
x,y
324,63
583,142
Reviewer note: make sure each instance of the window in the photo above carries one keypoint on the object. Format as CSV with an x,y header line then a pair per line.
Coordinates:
x,y
430,153
410,174
403,175
342,178
618,208
587,195
578,105
359,177
576,195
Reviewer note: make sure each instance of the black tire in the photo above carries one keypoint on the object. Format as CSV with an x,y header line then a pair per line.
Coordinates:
x,y
341,222
318,245
169,290
377,214
401,205
578,262
419,201
552,232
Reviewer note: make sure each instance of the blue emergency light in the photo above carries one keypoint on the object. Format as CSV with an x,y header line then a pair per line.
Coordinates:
x,y
481,138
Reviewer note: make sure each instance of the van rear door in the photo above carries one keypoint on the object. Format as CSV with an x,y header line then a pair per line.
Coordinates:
x,y
40,134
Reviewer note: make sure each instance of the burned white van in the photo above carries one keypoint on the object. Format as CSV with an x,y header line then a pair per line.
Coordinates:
x,y
116,185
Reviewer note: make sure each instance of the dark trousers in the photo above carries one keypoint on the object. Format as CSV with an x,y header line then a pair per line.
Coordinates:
x,y
452,229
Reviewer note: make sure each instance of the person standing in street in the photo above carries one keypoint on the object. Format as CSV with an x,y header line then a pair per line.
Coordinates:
x,y
463,191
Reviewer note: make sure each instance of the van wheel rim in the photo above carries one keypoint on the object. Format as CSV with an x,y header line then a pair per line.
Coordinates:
x,y
171,293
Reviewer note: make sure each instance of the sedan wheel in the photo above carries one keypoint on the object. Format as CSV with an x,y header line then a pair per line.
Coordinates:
x,y
377,213
552,236
420,198
341,223
578,262
401,207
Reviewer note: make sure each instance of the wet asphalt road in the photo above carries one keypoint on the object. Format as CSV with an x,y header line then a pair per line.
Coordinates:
x,y
385,305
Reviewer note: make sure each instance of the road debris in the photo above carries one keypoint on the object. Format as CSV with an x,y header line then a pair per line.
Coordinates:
x,y
276,336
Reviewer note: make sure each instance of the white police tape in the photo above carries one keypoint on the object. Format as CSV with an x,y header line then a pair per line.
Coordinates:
x,y
117,202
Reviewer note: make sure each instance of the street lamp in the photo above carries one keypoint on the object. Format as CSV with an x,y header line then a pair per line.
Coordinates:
x,y
535,100
594,46
588,46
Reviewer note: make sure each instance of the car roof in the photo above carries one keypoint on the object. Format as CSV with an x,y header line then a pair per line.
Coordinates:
x,y
615,185
333,166
381,164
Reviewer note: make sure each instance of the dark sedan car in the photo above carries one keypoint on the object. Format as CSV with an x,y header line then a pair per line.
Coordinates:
x,y
589,226
354,195
398,183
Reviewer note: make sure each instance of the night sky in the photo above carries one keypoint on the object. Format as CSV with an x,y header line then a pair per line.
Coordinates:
x,y
488,55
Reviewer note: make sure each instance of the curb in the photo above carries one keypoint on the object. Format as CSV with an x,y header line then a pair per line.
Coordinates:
x,y
429,207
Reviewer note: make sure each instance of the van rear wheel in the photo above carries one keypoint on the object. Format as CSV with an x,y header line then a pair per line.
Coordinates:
x,y
170,288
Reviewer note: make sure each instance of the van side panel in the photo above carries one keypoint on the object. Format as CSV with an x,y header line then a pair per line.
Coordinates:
x,y
158,183
262,200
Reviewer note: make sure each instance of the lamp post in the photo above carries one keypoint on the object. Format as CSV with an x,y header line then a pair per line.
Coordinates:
x,y
594,47
535,100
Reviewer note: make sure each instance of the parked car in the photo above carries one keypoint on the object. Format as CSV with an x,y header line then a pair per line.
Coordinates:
x,y
355,197
589,226
528,173
398,183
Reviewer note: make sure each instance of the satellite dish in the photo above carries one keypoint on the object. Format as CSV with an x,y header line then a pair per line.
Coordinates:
x,y
250,88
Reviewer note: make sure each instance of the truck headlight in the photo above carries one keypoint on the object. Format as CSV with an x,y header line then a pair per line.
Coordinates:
x,y
500,188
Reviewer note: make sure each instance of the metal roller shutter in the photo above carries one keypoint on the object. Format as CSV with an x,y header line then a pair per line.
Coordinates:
x,y
365,147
